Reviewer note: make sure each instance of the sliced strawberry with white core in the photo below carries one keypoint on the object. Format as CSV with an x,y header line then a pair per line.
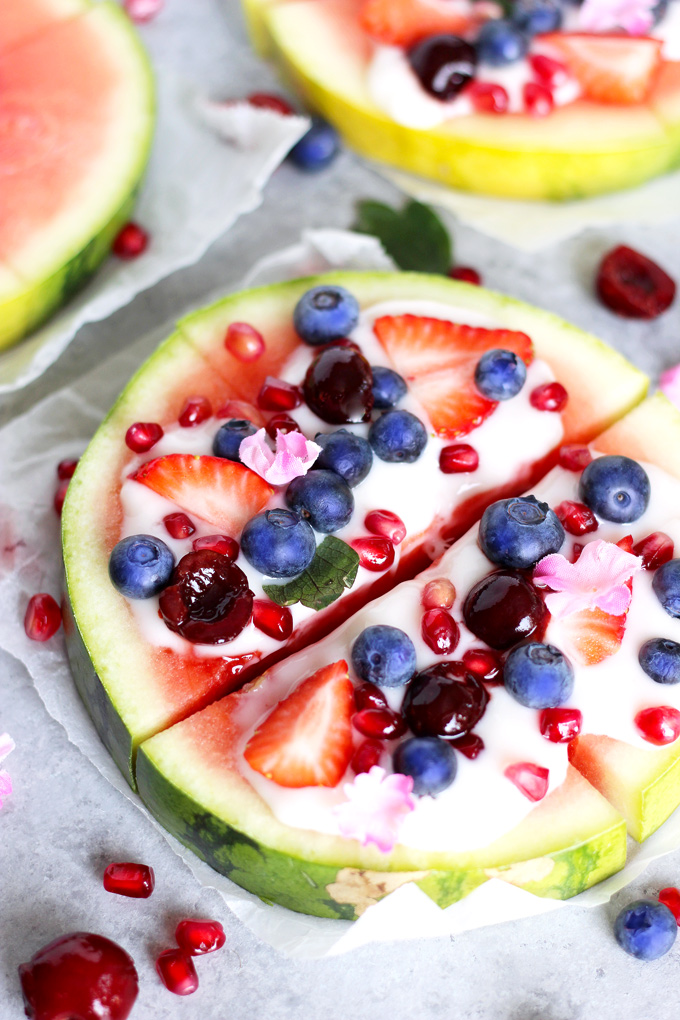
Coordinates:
x,y
222,492
438,360
307,739
405,22
609,68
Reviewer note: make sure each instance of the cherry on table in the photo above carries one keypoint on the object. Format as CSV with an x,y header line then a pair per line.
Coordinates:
x,y
632,285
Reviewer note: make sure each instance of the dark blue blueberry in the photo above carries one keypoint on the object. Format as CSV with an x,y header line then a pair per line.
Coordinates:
x,y
518,532
348,455
660,659
499,374
278,543
318,148
388,388
229,437
384,655
430,761
615,488
659,11
141,566
322,498
500,42
538,676
398,436
536,16
646,929
666,585
324,314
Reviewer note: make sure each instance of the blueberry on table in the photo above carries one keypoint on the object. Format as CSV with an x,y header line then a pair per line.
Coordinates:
x,y
646,929
616,488
500,374
538,676
229,437
398,436
140,566
318,148
322,498
348,455
666,585
518,532
278,543
325,313
431,763
388,388
384,655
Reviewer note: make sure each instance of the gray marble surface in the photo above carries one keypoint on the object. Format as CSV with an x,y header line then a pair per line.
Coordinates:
x,y
64,822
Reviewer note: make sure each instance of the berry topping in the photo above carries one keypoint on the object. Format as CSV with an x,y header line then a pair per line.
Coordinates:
x,y
127,879
386,524
439,631
217,543
500,374
444,701
632,285
322,498
609,68
388,388
670,897
443,64
534,17
348,455
366,756
375,554
177,972
500,42
615,488
281,423
325,313
60,495
244,342
275,621
574,458
338,386
549,71
655,550
438,594
42,619
277,395
518,532
142,436
659,725
268,101
66,468
318,148
485,665
196,938
503,609
384,655
538,676
229,437
666,585
130,242
560,725
208,600
538,99
140,566
195,411
278,543
576,518
307,739
460,458
368,695
398,436
486,97
429,761
379,722
531,780
469,745
592,635
645,929
660,659
83,976
551,396
179,526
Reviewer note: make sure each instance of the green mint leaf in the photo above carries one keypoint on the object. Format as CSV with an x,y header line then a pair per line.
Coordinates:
x,y
333,569
414,236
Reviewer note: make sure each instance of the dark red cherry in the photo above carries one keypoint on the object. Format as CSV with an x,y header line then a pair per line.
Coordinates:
x,y
444,700
443,64
486,665
632,285
338,386
208,600
503,609
656,549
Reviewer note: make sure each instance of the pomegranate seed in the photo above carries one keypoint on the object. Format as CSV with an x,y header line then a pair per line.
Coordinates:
x,y
485,665
43,617
66,468
659,725
268,101
196,410
379,722
576,518
438,594
574,458
386,524
141,436
244,342
670,897
177,972
196,938
488,97
240,409
530,779
466,274
275,621
469,744
281,423
368,695
60,495
626,543
217,543
632,285
366,756
549,71
127,879
551,396
576,551
143,10
440,631
656,549
538,99
560,725
374,553
130,242
458,458
277,395
179,525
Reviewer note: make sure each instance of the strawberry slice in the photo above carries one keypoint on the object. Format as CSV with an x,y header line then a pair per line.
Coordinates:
x,y
405,22
222,492
438,360
307,739
609,68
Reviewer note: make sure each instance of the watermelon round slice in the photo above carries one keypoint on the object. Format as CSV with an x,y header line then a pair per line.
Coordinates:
x,y
76,122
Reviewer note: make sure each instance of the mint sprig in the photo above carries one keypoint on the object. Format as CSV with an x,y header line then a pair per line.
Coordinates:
x,y
333,569
413,236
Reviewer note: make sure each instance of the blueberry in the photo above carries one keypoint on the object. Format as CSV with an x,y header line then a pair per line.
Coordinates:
x,y
229,437
666,585
538,676
322,498
324,314
398,436
141,566
536,16
278,543
659,11
615,488
318,148
500,42
518,532
430,761
388,388
500,374
348,455
660,659
646,929
384,655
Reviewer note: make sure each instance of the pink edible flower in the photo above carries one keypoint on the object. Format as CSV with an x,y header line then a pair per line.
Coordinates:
x,y
669,383
294,456
596,581
634,16
376,806
7,745
143,10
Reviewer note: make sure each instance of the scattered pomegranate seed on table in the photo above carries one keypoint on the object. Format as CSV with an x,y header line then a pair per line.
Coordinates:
x,y
459,458
660,725
466,274
386,524
66,469
195,411
244,342
572,457
129,879
130,242
439,631
551,396
559,725
576,518
655,550
670,897
60,495
179,525
269,101
374,553
222,544
177,972
142,436
438,594
196,938
633,286
275,621
43,617
366,756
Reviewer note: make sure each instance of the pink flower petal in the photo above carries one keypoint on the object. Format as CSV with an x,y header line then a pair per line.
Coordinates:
x,y
294,456
669,383
376,806
634,16
597,579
